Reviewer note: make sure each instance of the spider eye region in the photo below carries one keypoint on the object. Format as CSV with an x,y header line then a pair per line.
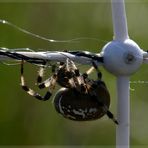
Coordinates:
x,y
78,106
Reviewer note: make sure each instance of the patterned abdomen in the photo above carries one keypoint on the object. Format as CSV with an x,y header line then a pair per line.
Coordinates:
x,y
81,107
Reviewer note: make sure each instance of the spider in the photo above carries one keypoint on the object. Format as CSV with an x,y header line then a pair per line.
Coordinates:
x,y
80,98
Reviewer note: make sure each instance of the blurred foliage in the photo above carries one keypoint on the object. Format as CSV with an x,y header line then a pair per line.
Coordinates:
x,y
27,121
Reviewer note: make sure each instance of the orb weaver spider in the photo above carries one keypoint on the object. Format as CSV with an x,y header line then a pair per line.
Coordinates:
x,y
80,98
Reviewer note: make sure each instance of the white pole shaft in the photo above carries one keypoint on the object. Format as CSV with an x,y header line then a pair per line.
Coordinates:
x,y
123,112
119,20
123,108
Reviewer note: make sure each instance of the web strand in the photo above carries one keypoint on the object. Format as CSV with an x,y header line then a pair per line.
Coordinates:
x,y
75,40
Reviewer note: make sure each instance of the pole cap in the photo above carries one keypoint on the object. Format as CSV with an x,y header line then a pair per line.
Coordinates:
x,y
122,57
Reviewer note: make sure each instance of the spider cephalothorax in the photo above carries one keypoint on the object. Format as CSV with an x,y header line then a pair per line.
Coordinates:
x,y
80,98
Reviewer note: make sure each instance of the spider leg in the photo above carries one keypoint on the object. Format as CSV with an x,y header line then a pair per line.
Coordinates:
x,y
45,83
85,80
78,80
70,74
111,116
40,74
85,74
31,91
42,71
99,74
108,113
50,82
106,110
76,73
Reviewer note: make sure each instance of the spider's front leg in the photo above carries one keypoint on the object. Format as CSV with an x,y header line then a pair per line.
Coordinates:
x,y
50,82
102,91
94,66
99,74
42,71
109,114
31,91
40,74
76,78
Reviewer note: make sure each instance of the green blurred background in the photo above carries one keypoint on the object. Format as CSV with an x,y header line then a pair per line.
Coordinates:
x,y
27,121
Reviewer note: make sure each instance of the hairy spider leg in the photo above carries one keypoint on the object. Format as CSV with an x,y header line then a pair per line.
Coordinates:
x,y
85,74
42,71
94,85
78,79
105,108
99,74
111,116
70,73
40,74
109,113
60,75
76,73
31,91
48,81
83,78
90,70
100,82
85,81
41,84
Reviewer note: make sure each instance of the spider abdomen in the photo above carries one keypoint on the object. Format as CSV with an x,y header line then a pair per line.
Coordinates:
x,y
79,106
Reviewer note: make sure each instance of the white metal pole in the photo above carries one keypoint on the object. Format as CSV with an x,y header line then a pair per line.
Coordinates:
x,y
52,56
119,20
123,109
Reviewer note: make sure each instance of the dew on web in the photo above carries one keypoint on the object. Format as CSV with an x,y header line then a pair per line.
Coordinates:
x,y
138,83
